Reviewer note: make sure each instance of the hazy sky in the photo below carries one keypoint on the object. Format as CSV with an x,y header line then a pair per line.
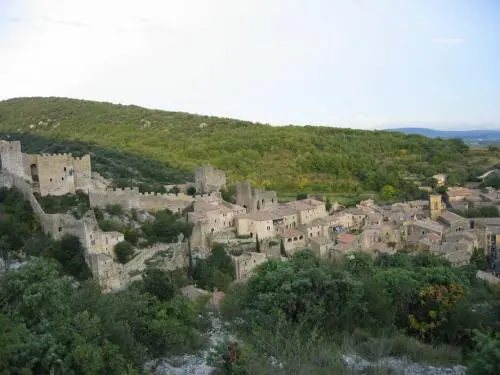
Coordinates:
x,y
356,63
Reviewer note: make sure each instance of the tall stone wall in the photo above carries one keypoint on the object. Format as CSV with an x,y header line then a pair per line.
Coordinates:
x,y
130,198
93,239
58,174
82,172
255,199
208,179
11,158
246,263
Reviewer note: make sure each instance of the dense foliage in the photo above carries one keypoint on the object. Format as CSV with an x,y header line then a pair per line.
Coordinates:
x,y
53,319
47,325
217,271
287,158
400,301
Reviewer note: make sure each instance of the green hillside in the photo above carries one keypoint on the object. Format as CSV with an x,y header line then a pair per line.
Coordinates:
x,y
288,158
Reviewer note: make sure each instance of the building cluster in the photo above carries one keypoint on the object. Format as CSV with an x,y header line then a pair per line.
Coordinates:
x,y
280,228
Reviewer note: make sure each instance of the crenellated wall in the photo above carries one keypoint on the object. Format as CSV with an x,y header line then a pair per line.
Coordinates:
x,y
57,174
130,198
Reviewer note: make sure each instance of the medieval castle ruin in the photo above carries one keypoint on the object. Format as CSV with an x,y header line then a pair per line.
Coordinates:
x,y
61,174
256,216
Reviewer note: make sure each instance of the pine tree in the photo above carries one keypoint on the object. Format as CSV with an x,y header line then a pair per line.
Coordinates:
x,y
257,244
282,248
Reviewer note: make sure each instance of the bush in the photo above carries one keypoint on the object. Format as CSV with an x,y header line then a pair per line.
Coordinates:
x,y
124,251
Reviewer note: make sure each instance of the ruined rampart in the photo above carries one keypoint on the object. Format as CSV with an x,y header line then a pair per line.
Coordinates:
x,y
132,198
94,240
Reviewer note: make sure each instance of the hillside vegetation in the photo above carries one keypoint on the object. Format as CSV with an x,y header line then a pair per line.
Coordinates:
x,y
286,158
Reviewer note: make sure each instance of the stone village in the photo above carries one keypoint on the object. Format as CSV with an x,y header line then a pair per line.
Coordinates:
x,y
257,215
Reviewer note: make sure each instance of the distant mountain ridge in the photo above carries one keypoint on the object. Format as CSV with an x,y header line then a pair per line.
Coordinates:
x,y
484,135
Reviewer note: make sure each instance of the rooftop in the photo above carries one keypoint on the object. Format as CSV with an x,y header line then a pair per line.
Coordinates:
x,y
346,238
291,233
430,225
305,204
450,217
458,191
320,240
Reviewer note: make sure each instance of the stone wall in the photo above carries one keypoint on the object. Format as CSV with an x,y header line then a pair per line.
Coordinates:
x,y
58,174
246,263
83,172
132,198
255,199
208,179
177,256
99,245
11,158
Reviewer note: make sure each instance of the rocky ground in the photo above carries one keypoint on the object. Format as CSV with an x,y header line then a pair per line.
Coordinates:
x,y
198,364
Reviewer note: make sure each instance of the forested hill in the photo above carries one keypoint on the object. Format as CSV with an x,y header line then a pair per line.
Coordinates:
x,y
287,158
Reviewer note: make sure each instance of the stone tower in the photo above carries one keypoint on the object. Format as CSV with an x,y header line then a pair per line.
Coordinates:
x,y
255,199
208,179
11,158
436,206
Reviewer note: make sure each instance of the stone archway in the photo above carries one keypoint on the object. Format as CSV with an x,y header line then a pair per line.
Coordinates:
x,y
34,173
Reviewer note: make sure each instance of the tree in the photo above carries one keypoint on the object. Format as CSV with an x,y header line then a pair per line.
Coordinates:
x,y
388,192
328,205
479,260
70,253
158,283
191,191
124,251
301,196
257,244
282,248
485,359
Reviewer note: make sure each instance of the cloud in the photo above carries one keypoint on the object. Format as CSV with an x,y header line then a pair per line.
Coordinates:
x,y
454,40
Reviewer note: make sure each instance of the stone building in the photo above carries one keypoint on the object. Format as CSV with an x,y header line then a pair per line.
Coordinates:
x,y
436,206
58,174
208,179
246,263
11,159
132,198
293,240
210,218
255,199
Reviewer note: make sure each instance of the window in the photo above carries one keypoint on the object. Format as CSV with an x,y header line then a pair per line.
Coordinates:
x,y
310,234
301,237
289,240
268,228
64,169
60,229
295,238
62,178
50,180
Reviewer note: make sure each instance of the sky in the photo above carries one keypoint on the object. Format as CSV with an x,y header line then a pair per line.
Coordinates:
x,y
349,63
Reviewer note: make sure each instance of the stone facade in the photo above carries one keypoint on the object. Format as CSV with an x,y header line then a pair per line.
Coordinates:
x,y
11,159
58,174
211,218
132,198
208,179
246,263
255,199
436,206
